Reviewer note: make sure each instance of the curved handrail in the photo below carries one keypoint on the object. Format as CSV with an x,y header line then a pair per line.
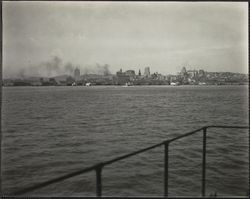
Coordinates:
x,y
98,167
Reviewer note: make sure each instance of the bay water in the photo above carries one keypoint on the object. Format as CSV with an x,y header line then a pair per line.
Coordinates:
x,y
52,131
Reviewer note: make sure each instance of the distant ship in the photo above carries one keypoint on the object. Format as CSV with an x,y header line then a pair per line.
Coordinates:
x,y
127,84
174,84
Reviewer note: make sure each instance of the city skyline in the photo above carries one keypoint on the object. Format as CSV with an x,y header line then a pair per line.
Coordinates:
x,y
163,36
130,78
103,70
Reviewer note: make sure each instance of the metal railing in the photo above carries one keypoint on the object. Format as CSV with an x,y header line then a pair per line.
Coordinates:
x,y
99,167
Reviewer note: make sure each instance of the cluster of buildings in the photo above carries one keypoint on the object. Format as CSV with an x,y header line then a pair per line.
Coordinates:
x,y
130,77
201,77
185,77
146,78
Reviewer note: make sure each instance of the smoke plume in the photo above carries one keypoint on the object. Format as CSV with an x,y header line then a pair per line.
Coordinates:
x,y
56,67
69,68
97,69
51,68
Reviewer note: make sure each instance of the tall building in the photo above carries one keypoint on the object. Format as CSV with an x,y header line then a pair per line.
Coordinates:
x,y
122,77
192,73
201,73
183,70
131,74
147,72
77,74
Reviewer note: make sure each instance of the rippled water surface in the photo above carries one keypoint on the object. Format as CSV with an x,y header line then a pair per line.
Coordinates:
x,y
50,131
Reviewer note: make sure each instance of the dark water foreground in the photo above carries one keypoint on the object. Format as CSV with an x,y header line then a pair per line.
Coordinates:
x,y
50,131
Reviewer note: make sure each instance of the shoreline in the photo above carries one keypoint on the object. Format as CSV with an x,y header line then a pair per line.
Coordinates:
x,y
123,86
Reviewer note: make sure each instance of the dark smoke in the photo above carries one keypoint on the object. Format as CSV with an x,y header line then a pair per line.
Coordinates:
x,y
56,67
97,69
69,68
103,70
51,68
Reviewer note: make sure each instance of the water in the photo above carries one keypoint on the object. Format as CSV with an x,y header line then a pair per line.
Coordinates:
x,y
50,131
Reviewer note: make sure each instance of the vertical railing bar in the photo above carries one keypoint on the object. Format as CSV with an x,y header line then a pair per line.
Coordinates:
x,y
166,146
203,189
99,180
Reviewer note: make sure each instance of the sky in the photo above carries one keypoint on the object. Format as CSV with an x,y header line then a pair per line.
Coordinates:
x,y
164,36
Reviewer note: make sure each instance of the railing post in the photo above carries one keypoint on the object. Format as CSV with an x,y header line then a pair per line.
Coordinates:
x,y
166,144
203,190
99,180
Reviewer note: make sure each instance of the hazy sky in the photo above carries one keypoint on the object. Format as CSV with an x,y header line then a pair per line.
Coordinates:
x,y
164,36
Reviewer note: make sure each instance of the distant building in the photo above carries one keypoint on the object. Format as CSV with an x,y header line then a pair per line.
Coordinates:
x,y
172,78
183,76
123,77
161,77
147,72
69,81
119,72
201,73
77,74
131,74
183,71
139,73
192,73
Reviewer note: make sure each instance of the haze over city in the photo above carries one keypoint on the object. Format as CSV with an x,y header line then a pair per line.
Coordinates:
x,y
41,38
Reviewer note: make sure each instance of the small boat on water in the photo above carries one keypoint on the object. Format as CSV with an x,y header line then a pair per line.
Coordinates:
x,y
174,84
127,84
